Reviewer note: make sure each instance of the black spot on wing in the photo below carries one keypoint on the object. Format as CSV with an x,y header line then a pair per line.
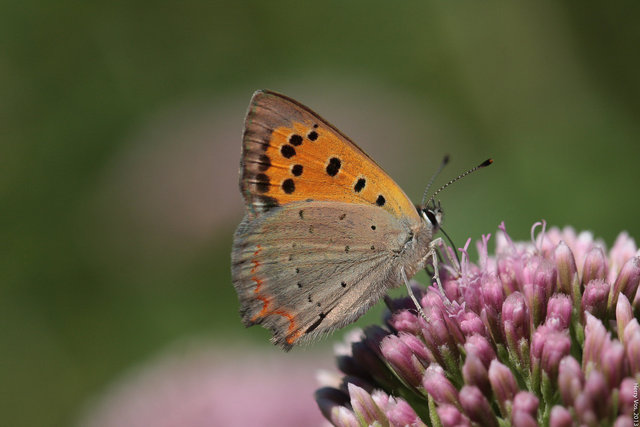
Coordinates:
x,y
315,324
295,139
287,151
334,166
288,186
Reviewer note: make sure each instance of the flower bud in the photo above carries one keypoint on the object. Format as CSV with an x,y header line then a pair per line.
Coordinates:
x,y
536,301
403,415
343,417
418,348
503,384
595,266
477,407
624,314
566,267
582,244
628,395
570,380
598,392
509,268
627,281
405,321
493,293
596,337
516,320
474,373
439,387
623,249
526,402
402,360
632,346
479,346
559,312
594,299
596,386
560,417
364,406
472,294
522,419
613,363
450,416
585,410
556,346
471,324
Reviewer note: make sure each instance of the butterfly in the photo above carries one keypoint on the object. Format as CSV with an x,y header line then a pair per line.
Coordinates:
x,y
326,231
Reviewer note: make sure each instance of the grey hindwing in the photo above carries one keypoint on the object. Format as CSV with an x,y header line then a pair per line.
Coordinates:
x,y
307,268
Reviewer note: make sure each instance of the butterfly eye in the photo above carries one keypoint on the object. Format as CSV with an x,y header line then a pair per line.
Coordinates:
x,y
431,216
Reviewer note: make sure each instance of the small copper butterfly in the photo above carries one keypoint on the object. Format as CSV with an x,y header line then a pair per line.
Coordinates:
x,y
326,232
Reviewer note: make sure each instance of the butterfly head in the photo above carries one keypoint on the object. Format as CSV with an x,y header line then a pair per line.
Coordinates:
x,y
433,215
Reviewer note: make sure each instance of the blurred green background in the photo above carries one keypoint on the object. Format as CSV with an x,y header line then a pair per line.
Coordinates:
x,y
120,128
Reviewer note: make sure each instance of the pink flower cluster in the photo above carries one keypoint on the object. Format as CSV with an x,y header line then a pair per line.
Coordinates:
x,y
541,333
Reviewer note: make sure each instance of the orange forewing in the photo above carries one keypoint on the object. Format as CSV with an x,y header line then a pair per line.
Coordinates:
x,y
291,154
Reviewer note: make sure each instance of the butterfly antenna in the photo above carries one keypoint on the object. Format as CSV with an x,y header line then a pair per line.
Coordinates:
x,y
445,160
480,166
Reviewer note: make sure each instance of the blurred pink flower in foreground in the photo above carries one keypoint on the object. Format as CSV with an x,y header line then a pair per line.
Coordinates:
x,y
541,333
201,386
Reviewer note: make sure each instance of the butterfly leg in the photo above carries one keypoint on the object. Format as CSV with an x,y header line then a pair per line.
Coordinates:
x,y
433,254
410,291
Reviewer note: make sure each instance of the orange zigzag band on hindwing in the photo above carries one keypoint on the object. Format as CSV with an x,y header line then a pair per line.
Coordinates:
x,y
266,301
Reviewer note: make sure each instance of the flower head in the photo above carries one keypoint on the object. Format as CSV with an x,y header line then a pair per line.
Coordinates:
x,y
541,333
